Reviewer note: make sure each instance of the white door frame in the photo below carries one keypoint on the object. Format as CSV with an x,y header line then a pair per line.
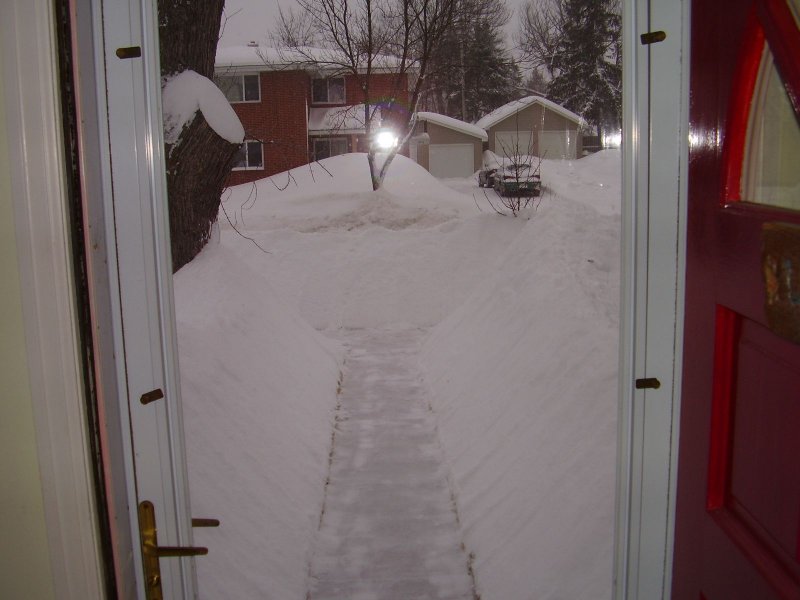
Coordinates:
x,y
655,162
33,116
654,196
129,269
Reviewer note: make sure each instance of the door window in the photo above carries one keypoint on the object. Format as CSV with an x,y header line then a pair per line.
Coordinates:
x,y
772,160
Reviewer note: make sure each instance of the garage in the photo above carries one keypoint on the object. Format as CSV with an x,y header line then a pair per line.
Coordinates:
x,y
451,160
535,126
513,143
446,146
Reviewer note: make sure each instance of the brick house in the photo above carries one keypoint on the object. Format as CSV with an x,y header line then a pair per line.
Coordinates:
x,y
294,110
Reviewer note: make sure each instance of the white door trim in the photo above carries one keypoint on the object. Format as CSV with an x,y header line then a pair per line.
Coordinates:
x,y
28,44
655,159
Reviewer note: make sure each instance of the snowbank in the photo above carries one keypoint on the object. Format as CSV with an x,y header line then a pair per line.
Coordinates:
x,y
258,426
523,377
521,364
349,257
339,189
182,95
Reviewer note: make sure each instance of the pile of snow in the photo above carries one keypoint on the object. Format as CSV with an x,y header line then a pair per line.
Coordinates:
x,y
521,363
183,94
346,256
523,378
258,426
593,180
336,193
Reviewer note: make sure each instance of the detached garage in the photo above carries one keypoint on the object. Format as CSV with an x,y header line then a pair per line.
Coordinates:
x,y
534,126
445,146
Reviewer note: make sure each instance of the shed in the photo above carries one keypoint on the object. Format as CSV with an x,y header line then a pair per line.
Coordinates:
x,y
535,126
446,146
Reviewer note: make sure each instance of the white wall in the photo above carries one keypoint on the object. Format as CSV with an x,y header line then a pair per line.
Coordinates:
x,y
24,552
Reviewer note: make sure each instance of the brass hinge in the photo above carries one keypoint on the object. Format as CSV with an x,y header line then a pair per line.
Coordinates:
x,y
653,37
129,52
648,383
151,396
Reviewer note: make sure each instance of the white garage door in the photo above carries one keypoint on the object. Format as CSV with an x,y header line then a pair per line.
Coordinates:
x,y
558,144
451,160
513,143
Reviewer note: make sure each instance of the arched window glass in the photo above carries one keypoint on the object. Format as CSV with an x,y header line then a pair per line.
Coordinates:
x,y
771,173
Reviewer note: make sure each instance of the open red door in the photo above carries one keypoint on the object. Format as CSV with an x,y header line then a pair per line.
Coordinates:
x,y
738,503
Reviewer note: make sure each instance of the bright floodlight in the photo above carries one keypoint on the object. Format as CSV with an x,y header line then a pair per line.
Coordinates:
x,y
613,140
386,140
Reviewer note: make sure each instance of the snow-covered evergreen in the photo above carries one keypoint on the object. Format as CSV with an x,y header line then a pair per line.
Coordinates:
x,y
577,43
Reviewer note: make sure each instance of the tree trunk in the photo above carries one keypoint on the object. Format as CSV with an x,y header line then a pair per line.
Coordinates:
x,y
197,167
188,32
199,162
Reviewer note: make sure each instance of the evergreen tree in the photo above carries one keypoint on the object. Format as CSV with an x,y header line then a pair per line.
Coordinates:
x,y
473,73
578,44
492,77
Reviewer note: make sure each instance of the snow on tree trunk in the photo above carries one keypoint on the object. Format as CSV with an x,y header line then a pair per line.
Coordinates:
x,y
199,161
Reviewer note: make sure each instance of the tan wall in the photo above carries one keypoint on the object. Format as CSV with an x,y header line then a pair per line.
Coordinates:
x,y
445,135
24,554
534,118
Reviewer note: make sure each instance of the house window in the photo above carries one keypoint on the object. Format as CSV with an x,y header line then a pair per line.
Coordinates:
x,y
240,88
328,91
251,156
325,147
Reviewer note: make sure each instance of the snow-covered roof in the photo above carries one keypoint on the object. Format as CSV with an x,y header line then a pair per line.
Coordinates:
x,y
340,119
454,124
515,106
265,58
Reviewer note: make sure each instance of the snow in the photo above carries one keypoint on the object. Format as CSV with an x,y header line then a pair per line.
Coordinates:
x,y
513,107
503,331
183,94
527,416
452,123
257,426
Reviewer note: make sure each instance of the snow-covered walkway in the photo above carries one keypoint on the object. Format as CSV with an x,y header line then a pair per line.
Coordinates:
x,y
389,529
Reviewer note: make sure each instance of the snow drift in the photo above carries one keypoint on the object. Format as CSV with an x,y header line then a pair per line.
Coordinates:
x,y
259,387
521,366
523,377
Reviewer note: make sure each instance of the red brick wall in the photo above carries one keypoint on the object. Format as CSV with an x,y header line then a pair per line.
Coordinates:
x,y
280,121
384,87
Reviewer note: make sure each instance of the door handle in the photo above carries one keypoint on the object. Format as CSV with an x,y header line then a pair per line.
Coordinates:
x,y
151,551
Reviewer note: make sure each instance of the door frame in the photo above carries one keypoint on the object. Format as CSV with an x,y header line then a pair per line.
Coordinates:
x,y
33,115
655,196
51,326
652,270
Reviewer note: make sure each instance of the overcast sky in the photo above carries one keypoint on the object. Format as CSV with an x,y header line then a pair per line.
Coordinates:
x,y
252,20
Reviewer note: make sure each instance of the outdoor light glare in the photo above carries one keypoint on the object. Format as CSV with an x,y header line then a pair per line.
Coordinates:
x,y
386,140
614,140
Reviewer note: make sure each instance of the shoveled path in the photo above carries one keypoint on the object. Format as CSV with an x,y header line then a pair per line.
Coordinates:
x,y
389,529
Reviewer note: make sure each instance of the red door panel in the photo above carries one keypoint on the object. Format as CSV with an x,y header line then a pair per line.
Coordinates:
x,y
738,505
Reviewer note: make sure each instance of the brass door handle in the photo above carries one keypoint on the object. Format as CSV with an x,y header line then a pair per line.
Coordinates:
x,y
151,551
172,551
